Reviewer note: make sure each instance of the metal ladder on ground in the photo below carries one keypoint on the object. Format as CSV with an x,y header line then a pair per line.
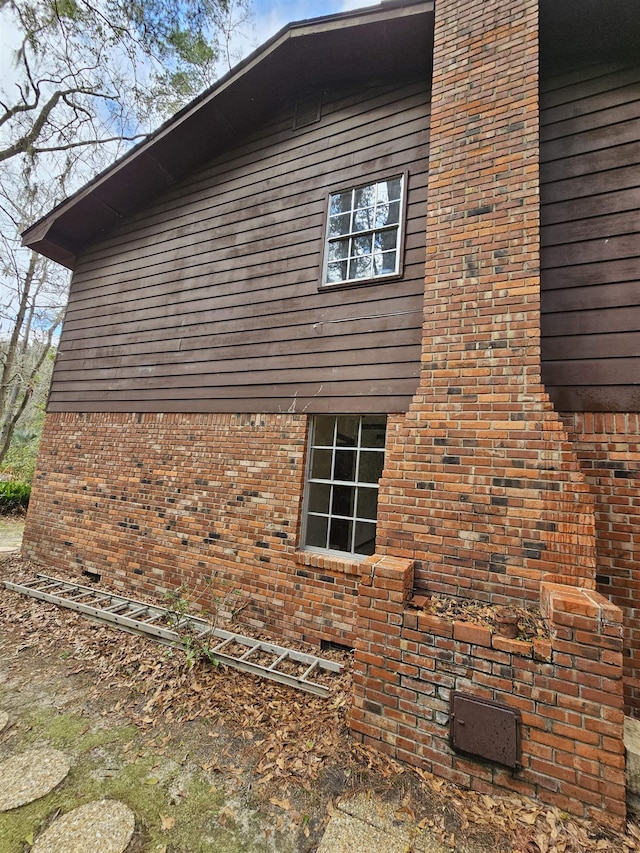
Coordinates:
x,y
235,650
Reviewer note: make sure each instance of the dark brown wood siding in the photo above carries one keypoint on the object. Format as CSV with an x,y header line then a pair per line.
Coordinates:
x,y
208,300
590,258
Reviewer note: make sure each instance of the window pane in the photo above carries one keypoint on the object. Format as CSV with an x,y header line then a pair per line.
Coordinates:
x,y
344,500
339,225
394,189
371,465
382,216
386,263
338,250
337,272
393,216
340,202
340,535
363,219
316,531
361,268
386,240
362,245
365,196
321,464
367,503
348,428
323,430
365,538
319,494
374,430
345,467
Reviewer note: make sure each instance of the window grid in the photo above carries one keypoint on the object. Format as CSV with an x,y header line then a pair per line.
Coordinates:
x,y
359,486
358,252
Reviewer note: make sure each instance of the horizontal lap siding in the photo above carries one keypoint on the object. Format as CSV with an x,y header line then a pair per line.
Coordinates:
x,y
208,300
590,254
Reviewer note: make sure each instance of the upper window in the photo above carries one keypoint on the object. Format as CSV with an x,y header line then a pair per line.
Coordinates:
x,y
346,457
363,232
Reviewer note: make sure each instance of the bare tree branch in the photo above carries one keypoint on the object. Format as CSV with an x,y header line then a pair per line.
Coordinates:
x,y
89,77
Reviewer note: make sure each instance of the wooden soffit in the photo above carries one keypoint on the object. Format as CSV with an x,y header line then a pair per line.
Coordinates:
x,y
379,42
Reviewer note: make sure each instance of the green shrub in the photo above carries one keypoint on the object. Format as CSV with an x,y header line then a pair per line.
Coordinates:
x,y
14,496
20,461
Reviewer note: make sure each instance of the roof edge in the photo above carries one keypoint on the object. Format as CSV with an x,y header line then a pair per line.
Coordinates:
x,y
41,235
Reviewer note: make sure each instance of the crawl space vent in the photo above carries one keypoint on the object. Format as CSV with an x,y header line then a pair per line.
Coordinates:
x,y
485,729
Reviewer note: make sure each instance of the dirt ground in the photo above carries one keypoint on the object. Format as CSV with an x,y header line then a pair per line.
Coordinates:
x,y
210,759
11,527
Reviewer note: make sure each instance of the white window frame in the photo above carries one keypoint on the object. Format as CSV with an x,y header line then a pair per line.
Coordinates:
x,y
358,484
354,232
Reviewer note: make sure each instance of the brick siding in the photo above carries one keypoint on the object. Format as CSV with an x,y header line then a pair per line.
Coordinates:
x,y
608,447
154,502
568,691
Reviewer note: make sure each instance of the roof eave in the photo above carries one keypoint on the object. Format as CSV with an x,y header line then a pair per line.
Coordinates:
x,y
151,167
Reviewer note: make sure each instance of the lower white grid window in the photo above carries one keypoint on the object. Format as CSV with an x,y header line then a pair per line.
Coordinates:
x,y
346,458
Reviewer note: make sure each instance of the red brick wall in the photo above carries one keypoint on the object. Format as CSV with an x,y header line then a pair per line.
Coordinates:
x,y
568,690
153,502
481,486
608,447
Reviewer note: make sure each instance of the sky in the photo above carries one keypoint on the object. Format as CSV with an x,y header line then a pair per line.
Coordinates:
x,y
271,15
268,17
284,11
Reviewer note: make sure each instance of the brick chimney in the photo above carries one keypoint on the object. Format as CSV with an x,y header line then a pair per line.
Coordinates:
x,y
482,487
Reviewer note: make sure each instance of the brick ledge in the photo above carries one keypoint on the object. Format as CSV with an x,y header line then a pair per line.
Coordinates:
x,y
332,563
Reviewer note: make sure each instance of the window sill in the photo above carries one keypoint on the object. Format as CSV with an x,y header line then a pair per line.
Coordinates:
x,y
345,565
360,282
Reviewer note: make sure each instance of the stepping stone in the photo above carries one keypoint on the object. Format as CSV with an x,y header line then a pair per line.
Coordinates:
x,y
30,775
104,826
4,719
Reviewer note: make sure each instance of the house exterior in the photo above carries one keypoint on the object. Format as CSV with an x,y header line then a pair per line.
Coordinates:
x,y
269,378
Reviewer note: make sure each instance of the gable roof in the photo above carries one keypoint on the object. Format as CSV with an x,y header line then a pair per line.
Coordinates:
x,y
392,39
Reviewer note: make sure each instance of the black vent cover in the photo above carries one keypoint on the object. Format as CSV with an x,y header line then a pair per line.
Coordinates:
x,y
308,110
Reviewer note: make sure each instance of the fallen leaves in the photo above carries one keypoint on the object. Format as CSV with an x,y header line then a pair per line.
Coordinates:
x,y
530,622
405,812
167,823
282,804
292,741
225,815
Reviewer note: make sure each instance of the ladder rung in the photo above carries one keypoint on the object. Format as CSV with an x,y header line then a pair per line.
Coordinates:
x,y
133,613
119,605
78,595
50,585
222,645
249,651
153,618
97,598
308,672
284,655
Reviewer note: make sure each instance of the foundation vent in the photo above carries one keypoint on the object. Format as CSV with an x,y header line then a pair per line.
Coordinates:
x,y
485,729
